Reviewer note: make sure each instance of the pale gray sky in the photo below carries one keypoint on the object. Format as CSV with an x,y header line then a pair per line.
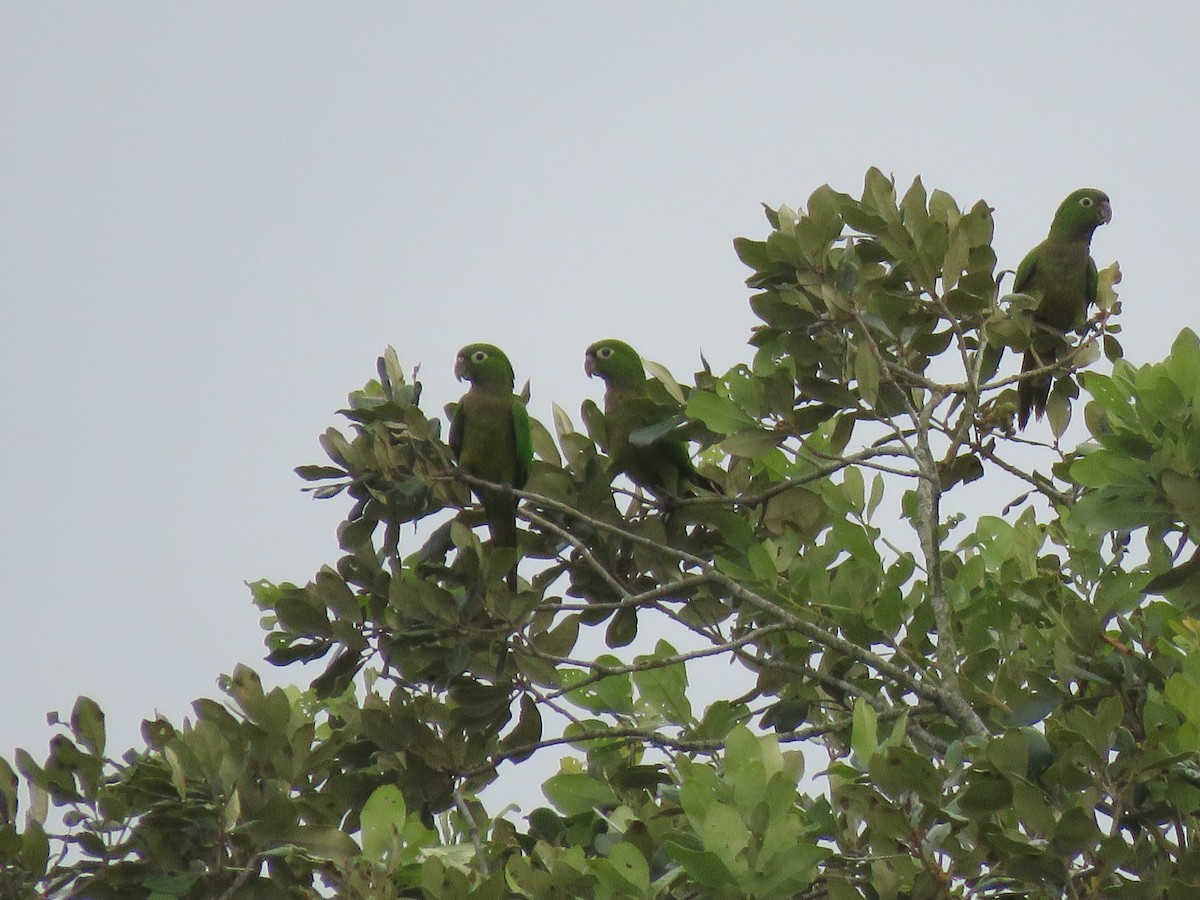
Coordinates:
x,y
216,215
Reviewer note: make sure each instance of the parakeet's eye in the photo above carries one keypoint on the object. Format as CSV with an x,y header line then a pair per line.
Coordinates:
x,y
478,356
604,352
1086,202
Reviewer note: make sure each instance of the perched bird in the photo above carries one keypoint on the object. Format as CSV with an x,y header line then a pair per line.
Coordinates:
x,y
660,465
490,437
1061,273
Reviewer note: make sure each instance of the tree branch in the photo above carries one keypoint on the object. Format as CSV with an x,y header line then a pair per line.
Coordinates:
x,y
948,700
600,672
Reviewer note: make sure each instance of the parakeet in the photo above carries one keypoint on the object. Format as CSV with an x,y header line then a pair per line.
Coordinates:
x,y
662,466
1061,273
490,436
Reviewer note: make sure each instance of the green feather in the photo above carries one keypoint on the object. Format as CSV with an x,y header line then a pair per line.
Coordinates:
x,y
638,433
490,436
1061,274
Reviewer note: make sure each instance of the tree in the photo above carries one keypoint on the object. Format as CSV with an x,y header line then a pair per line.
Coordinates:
x,y
1009,701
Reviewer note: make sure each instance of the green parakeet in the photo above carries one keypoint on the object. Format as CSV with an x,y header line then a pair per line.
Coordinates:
x,y
662,465
1061,273
490,436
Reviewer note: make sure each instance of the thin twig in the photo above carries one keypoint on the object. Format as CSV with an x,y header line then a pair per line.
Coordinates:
x,y
600,672
662,592
472,829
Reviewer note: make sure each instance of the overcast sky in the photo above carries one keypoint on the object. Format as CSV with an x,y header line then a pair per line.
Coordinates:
x,y
215,216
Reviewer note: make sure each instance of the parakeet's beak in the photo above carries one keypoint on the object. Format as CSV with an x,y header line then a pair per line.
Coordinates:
x,y
1105,212
589,364
460,368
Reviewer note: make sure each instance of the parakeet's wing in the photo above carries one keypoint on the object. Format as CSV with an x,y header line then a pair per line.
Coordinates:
x,y
457,427
524,442
1092,285
643,413
1025,271
677,453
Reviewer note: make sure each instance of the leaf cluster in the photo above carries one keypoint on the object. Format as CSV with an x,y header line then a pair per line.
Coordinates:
x,y
1008,703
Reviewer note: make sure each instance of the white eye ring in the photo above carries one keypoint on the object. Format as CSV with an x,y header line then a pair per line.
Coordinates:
x,y
1085,202
604,352
478,356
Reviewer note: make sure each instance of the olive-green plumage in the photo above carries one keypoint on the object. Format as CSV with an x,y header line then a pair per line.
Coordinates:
x,y
490,436
662,466
1061,273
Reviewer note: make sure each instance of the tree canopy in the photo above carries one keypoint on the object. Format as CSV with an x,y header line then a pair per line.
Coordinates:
x,y
1003,692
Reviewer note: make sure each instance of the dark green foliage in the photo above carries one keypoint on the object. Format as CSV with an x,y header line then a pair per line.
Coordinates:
x,y
1006,705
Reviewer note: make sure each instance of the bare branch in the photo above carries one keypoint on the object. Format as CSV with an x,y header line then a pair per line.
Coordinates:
x,y
464,810
667,591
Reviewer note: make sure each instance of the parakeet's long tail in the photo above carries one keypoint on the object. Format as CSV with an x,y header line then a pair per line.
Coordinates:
x,y
502,523
1032,393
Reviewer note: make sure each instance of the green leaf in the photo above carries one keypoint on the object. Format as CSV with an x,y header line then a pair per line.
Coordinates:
x,y
612,693
87,723
828,392
1037,707
964,469
986,794
543,443
1184,695
559,641
752,253
798,508
843,430
1009,754
720,717
317,473
723,833
786,715
661,373
1106,297
664,687
863,738
720,414
574,793
622,629
332,590
1183,496
879,192
300,613
877,489
35,848
1176,576
1075,832
336,447
625,872
866,371
324,843
752,443
382,819
761,563
527,732
956,257
1058,412
171,885
899,771
704,866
